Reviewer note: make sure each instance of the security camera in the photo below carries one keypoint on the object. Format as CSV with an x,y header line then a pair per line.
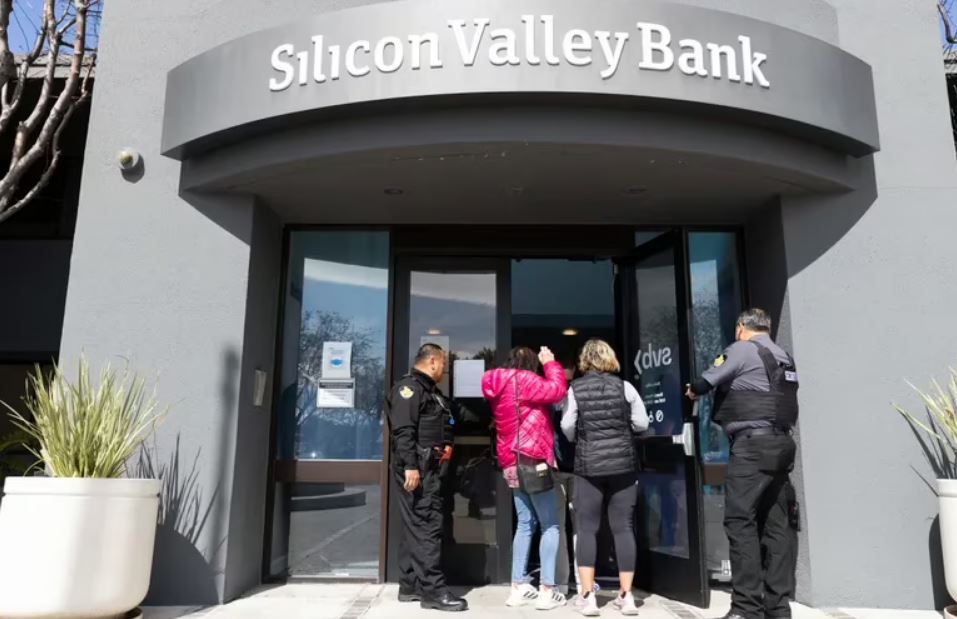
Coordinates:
x,y
127,159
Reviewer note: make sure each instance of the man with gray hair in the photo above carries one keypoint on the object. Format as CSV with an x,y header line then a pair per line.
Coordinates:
x,y
755,383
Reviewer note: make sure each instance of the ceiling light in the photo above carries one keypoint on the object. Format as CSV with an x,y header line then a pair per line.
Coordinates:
x,y
570,332
435,331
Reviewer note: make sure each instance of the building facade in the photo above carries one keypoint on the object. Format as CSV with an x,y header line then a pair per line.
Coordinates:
x,y
325,185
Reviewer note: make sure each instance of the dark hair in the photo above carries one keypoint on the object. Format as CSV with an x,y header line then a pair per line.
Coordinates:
x,y
521,358
427,351
755,319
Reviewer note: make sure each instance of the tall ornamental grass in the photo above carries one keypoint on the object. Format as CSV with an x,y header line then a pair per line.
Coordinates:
x,y
85,429
938,434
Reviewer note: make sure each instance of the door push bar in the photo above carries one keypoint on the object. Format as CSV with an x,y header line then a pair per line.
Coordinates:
x,y
686,439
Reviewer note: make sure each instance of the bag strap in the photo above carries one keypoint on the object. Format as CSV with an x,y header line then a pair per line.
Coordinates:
x,y
518,417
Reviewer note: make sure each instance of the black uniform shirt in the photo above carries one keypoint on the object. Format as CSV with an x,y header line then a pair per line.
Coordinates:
x,y
411,396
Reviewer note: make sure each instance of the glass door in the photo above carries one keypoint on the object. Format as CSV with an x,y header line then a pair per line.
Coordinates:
x,y
652,302
325,479
461,305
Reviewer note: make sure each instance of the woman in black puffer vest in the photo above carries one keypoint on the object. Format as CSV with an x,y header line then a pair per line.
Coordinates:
x,y
601,415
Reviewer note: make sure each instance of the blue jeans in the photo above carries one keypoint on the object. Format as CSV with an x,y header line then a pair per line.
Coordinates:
x,y
535,510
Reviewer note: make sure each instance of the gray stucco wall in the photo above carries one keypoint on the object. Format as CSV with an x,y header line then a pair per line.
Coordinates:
x,y
871,296
185,287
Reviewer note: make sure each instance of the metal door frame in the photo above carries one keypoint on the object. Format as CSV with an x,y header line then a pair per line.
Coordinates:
x,y
403,266
656,569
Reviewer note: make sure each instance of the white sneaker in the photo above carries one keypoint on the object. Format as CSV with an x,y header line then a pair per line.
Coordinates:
x,y
549,599
522,595
626,604
587,606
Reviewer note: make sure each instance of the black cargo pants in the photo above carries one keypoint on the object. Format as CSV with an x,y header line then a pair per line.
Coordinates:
x,y
420,545
762,541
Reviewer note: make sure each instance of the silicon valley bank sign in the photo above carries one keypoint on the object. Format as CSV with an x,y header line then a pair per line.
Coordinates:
x,y
658,55
534,42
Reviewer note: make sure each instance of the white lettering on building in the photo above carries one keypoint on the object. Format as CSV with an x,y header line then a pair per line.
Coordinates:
x,y
535,42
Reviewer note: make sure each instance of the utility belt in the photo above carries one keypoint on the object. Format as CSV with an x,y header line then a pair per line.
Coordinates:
x,y
769,431
433,458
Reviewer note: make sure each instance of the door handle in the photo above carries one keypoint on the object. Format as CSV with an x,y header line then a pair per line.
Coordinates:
x,y
686,439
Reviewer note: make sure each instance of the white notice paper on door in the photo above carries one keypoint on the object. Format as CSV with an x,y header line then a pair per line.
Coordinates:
x,y
336,360
336,394
467,378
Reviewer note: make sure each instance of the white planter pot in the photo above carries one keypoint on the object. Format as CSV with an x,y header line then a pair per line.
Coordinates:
x,y
947,497
75,548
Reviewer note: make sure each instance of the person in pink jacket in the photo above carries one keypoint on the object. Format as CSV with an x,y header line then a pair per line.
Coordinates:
x,y
521,402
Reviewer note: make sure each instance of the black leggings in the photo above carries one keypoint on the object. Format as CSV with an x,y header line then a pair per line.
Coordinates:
x,y
590,494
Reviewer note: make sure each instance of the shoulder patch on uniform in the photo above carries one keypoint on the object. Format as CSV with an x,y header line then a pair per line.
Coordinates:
x,y
406,392
719,361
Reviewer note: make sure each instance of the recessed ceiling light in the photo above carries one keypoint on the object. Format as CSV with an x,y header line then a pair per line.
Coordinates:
x,y
393,191
435,331
570,332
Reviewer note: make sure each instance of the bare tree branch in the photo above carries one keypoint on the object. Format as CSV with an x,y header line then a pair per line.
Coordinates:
x,y
28,127
11,105
51,165
949,31
8,69
39,135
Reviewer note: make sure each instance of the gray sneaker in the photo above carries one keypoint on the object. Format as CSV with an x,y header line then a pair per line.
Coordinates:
x,y
587,606
626,604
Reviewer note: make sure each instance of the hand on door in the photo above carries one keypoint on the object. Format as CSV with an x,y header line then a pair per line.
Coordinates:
x,y
690,394
545,355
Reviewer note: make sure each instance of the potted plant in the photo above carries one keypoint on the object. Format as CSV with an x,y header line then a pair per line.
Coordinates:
x,y
82,537
938,440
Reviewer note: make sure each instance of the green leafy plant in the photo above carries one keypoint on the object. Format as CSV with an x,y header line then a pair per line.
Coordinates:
x,y
82,429
938,435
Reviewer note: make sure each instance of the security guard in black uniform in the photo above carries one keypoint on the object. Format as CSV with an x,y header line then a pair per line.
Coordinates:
x,y
756,402
421,420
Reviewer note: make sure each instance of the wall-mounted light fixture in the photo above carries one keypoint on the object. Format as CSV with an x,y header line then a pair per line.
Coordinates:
x,y
128,159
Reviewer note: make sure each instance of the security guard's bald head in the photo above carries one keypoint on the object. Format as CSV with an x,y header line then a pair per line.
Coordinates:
x,y
430,360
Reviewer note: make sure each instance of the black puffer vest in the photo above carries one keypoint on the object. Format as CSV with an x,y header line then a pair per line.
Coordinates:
x,y
604,443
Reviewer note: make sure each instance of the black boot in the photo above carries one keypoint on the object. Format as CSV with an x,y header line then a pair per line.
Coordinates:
x,y
444,601
409,595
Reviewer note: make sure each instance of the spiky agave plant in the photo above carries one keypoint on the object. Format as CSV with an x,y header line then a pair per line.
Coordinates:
x,y
84,429
938,435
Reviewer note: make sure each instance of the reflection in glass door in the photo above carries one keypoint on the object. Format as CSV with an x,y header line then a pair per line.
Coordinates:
x,y
455,303
716,301
652,306
326,512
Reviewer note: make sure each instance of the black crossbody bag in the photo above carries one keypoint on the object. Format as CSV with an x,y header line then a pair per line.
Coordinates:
x,y
531,479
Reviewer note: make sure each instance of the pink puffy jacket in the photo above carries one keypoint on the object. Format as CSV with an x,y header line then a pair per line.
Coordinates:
x,y
536,395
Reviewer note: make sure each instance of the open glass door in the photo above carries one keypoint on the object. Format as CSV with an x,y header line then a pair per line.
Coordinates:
x,y
652,305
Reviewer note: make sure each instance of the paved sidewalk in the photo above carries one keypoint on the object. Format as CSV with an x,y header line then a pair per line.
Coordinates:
x,y
346,601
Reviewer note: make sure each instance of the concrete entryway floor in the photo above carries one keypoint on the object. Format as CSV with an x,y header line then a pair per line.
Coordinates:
x,y
347,601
